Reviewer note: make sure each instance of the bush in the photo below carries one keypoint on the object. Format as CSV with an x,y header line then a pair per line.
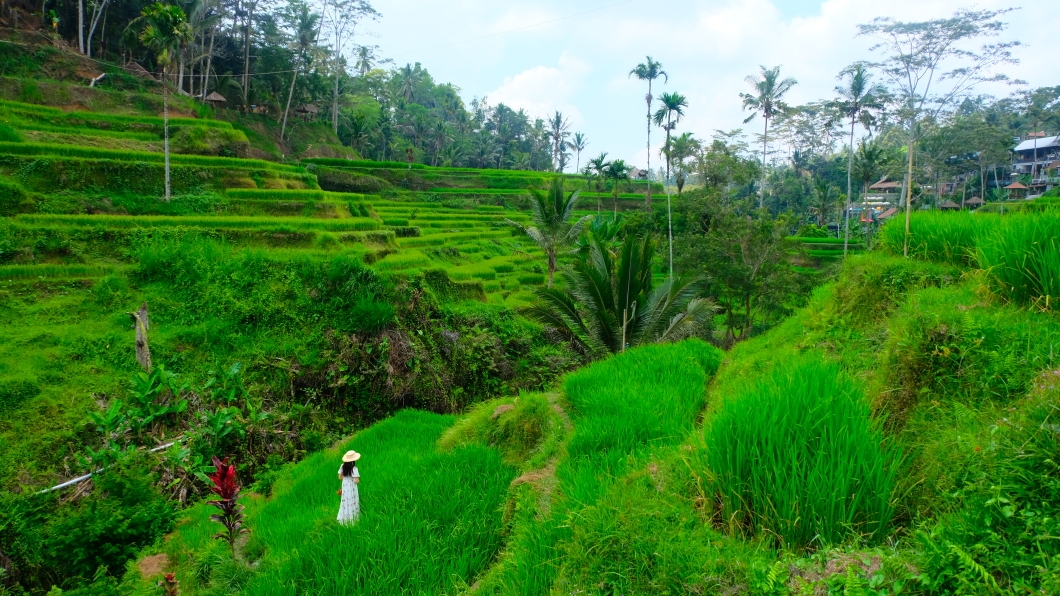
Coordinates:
x,y
9,135
198,140
14,200
340,181
797,458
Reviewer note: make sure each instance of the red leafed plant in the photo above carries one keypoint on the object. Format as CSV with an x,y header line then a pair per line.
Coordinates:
x,y
170,585
226,487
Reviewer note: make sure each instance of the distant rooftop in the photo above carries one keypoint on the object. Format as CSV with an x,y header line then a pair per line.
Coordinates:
x,y
1041,143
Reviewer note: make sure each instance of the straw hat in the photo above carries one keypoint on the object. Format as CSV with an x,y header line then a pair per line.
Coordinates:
x,y
351,456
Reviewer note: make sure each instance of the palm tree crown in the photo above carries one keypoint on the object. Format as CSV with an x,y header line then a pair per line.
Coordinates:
x,y
668,115
579,143
858,98
767,100
649,70
607,305
553,227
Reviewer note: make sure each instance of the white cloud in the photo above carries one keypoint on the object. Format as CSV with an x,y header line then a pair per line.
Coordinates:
x,y
541,90
706,46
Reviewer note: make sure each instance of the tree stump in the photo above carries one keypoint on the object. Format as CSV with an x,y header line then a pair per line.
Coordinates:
x,y
142,324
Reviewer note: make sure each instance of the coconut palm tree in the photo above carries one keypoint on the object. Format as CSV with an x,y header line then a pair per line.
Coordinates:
x,y
858,99
598,167
767,100
617,171
553,228
559,130
306,26
667,116
649,70
366,59
606,305
824,196
164,30
578,144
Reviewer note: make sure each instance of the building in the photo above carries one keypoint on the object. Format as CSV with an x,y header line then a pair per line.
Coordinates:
x,y
1032,157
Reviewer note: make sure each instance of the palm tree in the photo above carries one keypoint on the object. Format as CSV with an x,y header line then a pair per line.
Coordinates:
x,y
868,163
305,35
649,71
606,306
165,31
578,144
858,99
617,171
407,79
667,116
366,59
823,198
598,166
767,100
559,130
553,227
682,148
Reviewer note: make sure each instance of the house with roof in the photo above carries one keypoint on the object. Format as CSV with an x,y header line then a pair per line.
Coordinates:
x,y
1033,157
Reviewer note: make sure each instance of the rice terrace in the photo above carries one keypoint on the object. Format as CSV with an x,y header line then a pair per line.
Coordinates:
x,y
730,297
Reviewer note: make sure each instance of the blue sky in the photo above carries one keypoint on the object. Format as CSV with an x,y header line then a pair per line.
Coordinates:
x,y
575,55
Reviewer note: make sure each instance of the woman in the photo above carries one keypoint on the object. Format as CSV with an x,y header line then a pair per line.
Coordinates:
x,y
350,508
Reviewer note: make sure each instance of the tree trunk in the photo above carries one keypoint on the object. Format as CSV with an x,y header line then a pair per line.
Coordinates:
x,y
551,268
765,147
209,64
335,105
142,324
180,75
290,94
850,190
908,190
81,26
92,26
246,53
165,126
647,197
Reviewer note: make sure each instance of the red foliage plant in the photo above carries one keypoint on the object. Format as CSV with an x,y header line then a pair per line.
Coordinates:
x,y
226,487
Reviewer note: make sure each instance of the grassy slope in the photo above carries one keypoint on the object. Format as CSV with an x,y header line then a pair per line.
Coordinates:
x,y
430,521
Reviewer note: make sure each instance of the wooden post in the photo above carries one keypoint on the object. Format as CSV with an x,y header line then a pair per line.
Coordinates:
x,y
142,324
624,311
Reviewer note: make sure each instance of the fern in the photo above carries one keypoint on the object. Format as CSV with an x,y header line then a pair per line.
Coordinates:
x,y
972,566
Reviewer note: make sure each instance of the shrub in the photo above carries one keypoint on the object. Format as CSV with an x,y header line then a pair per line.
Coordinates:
x,y
1022,259
339,181
9,135
209,140
14,200
371,315
797,458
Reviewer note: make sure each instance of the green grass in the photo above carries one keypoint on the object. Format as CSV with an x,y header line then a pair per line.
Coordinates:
x,y
430,520
88,132
351,224
446,238
797,458
53,271
43,149
1020,253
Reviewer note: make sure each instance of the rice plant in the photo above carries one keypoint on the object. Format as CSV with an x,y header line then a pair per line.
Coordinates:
x,y
271,194
351,224
430,520
44,149
796,457
938,236
1022,259
53,271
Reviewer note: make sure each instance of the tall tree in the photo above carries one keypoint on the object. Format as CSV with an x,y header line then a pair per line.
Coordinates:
x,y
932,66
649,70
164,30
558,130
305,24
598,167
607,305
579,143
767,100
667,116
858,99
341,18
617,171
554,226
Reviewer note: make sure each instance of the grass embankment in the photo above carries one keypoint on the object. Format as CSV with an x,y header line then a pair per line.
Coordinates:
x,y
431,521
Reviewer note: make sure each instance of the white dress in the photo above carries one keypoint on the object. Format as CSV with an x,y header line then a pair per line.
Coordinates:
x,y
350,507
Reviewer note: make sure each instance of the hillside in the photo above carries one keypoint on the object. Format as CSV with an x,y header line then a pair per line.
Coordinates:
x,y
621,488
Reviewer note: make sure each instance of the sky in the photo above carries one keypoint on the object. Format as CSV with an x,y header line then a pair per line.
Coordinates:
x,y
575,55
